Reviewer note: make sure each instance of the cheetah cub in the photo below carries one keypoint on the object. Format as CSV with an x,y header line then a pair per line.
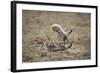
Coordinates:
x,y
61,34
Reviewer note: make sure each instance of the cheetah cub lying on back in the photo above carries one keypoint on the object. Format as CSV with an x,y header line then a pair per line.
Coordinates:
x,y
61,34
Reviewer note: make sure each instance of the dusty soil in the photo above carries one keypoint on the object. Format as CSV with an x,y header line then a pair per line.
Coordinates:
x,y
37,30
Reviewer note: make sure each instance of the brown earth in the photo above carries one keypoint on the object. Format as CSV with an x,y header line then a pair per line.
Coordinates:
x,y
37,30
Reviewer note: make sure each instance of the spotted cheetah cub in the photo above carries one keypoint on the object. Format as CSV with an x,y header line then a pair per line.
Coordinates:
x,y
61,34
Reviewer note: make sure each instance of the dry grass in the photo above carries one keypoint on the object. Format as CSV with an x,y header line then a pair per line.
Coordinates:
x,y
36,31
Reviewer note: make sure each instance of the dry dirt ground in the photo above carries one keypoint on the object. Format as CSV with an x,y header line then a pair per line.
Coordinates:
x,y
37,30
